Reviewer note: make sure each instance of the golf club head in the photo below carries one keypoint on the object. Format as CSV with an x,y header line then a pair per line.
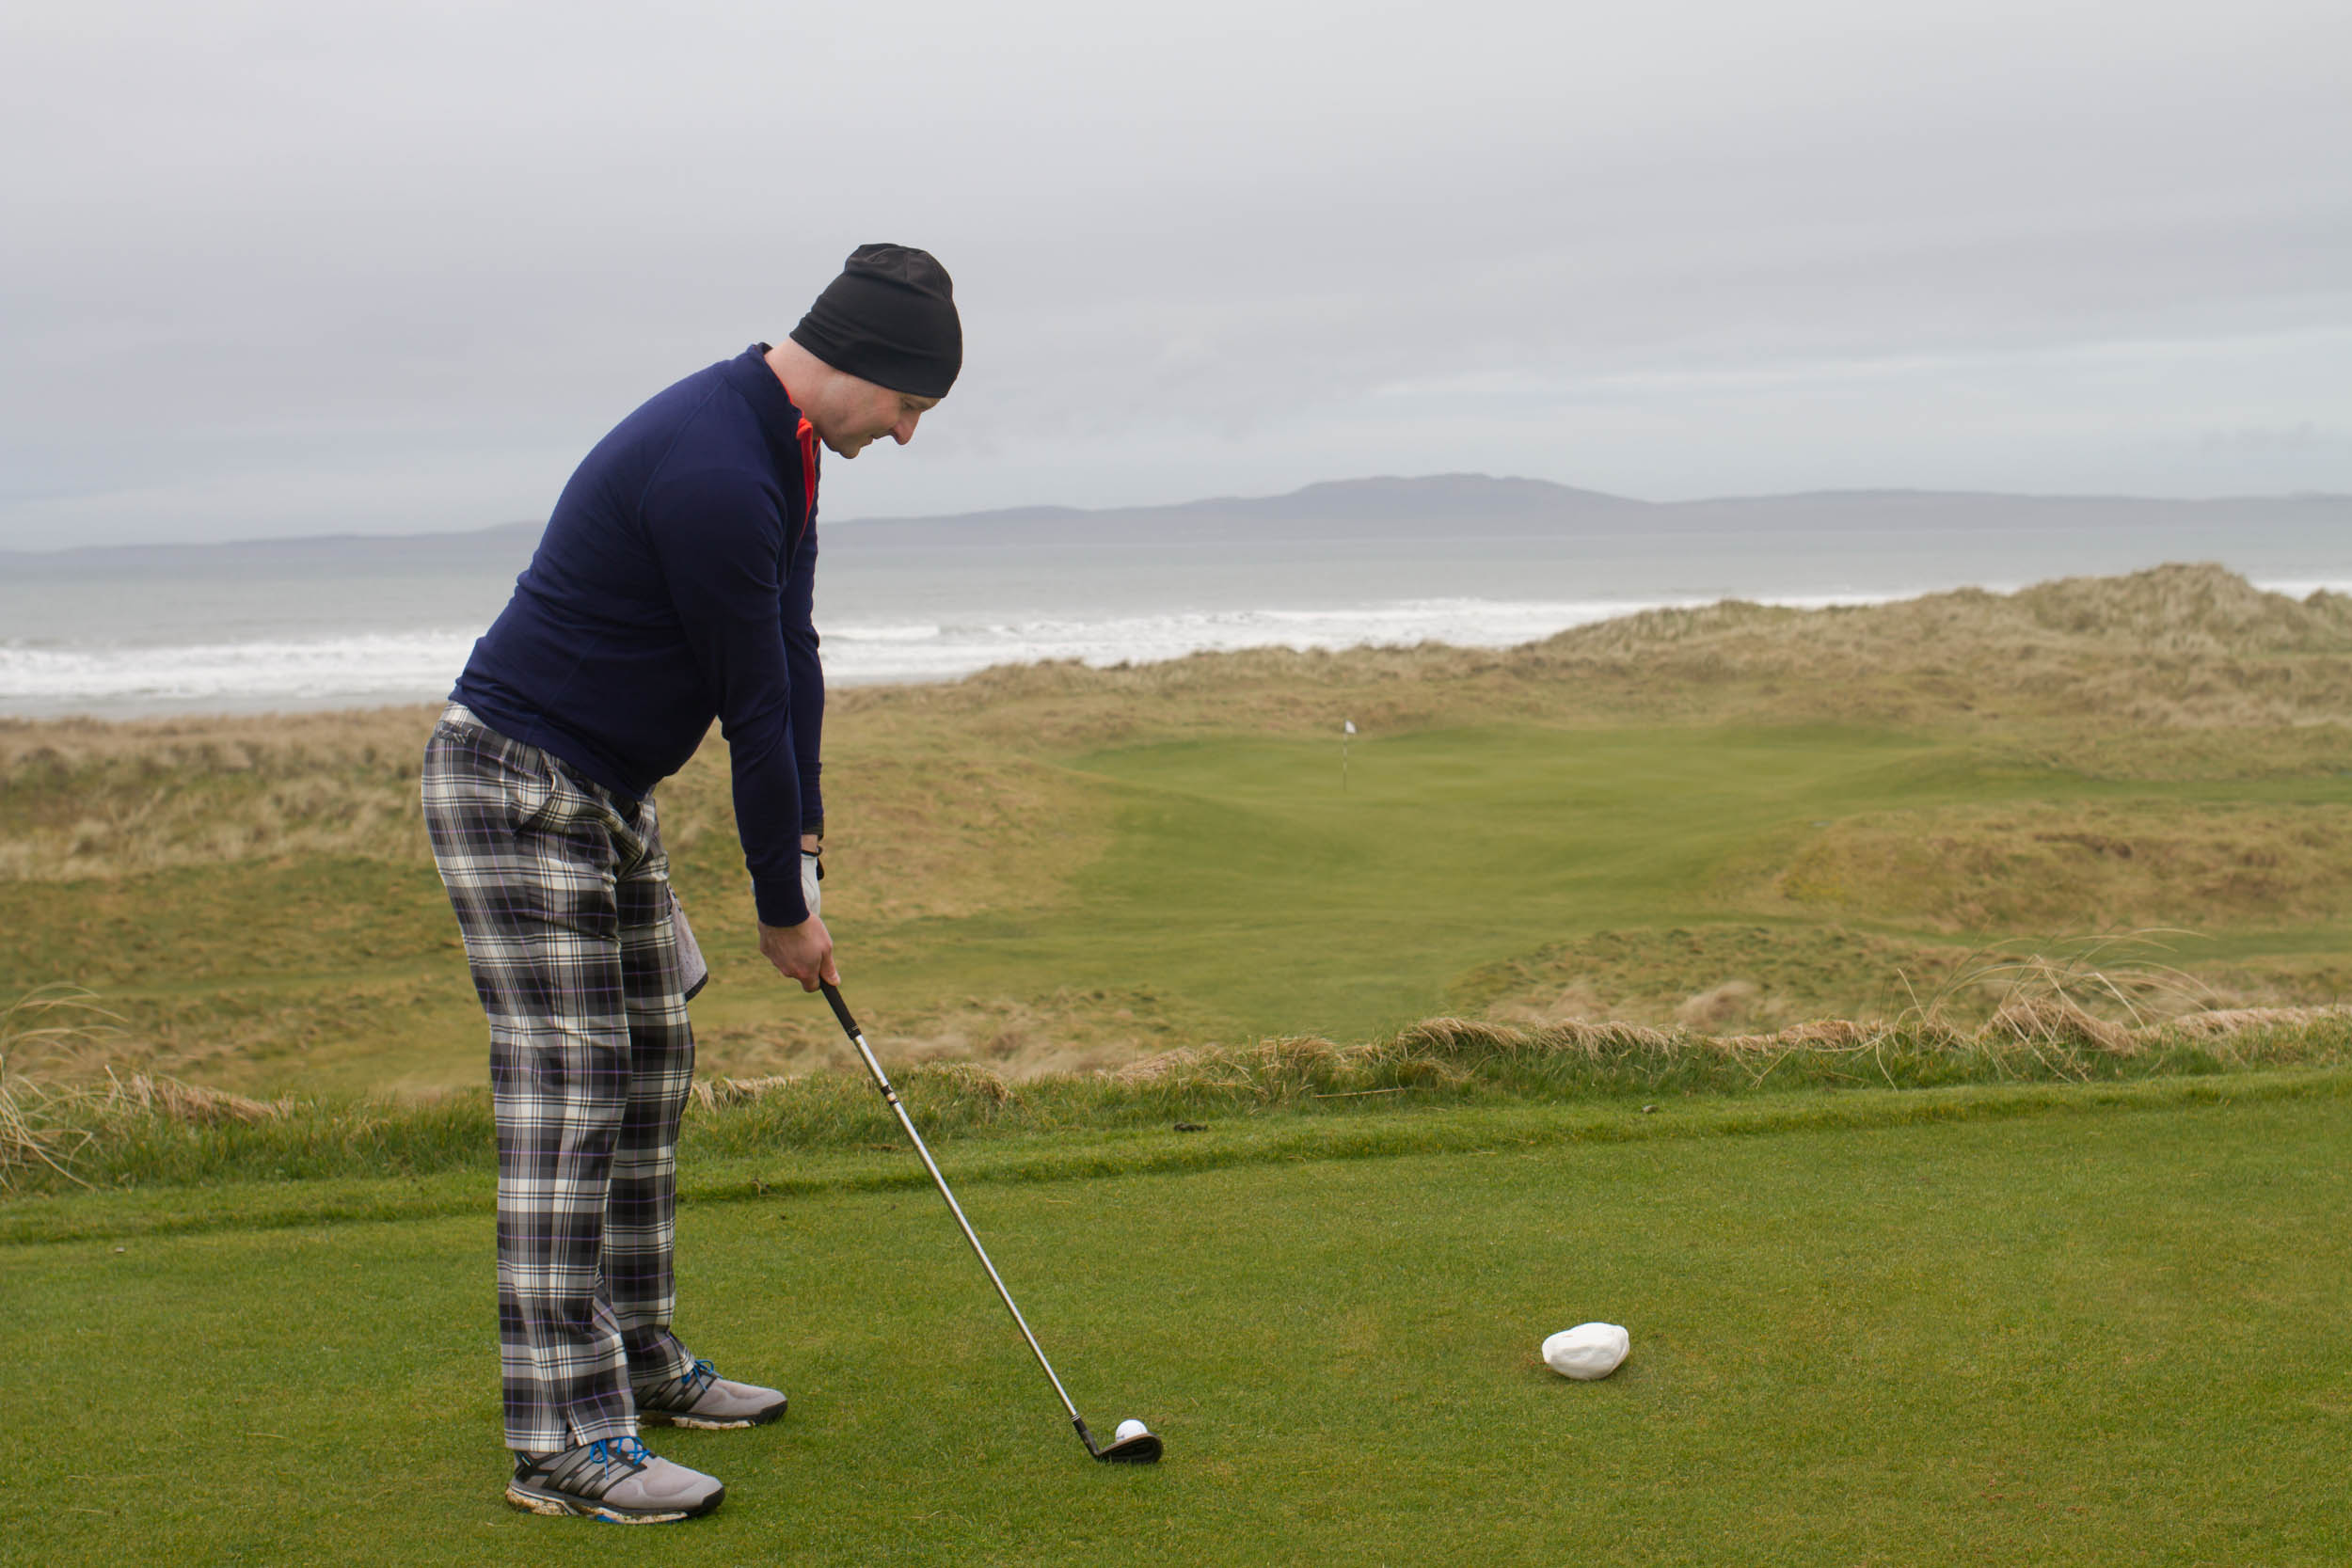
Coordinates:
x,y
1142,1448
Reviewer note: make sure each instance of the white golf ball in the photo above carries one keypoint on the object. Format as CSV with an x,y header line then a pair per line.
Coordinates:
x,y
1588,1351
1129,1429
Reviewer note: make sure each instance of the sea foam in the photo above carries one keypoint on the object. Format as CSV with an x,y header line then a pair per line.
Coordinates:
x,y
375,668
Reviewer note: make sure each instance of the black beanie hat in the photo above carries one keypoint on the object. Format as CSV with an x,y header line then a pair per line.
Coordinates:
x,y
890,318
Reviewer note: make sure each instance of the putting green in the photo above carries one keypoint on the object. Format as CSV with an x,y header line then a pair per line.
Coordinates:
x,y
2107,1337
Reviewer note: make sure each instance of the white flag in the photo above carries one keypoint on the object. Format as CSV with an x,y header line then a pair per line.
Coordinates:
x,y
1351,725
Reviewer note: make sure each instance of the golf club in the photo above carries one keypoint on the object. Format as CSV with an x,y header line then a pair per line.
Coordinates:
x,y
1141,1448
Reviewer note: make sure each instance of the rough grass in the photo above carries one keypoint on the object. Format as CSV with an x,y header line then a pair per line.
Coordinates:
x,y
63,1103
1749,979
117,1130
2096,865
84,798
1064,1031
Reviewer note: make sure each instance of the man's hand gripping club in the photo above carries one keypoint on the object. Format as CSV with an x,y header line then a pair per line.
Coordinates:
x,y
803,952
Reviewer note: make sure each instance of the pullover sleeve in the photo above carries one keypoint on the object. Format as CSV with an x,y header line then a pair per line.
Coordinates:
x,y
808,679
719,538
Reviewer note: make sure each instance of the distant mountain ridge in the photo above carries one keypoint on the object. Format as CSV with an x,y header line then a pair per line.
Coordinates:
x,y
341,551
1463,498
1466,505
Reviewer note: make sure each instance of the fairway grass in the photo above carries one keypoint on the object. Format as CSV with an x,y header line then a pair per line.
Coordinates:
x,y
2106,1326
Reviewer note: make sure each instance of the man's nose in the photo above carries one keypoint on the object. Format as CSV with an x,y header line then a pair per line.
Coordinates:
x,y
904,431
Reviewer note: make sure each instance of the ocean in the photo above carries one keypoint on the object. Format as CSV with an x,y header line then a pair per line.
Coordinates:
x,y
332,622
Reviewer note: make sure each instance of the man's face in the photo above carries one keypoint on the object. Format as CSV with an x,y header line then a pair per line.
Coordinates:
x,y
867,413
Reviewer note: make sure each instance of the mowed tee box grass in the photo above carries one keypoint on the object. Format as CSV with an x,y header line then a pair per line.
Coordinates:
x,y
2073,1334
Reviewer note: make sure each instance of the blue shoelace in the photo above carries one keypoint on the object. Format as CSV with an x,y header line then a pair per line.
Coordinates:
x,y
620,1450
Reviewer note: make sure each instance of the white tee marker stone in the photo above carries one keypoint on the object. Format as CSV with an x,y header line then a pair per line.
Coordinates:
x,y
1588,1351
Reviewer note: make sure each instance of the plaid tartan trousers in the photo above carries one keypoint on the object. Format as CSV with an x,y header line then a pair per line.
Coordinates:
x,y
563,895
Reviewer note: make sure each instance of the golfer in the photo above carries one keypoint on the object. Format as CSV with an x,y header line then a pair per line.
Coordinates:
x,y
672,586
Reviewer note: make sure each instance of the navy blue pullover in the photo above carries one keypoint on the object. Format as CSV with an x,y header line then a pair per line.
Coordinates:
x,y
672,586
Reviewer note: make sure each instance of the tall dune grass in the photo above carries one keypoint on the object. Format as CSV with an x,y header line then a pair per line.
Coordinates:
x,y
61,1096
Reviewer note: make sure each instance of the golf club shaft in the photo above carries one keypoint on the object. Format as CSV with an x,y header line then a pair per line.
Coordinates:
x,y
881,1081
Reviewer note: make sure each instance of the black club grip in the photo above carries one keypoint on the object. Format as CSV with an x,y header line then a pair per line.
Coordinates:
x,y
840,1008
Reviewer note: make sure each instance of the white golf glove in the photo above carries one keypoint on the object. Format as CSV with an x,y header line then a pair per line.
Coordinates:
x,y
693,969
811,872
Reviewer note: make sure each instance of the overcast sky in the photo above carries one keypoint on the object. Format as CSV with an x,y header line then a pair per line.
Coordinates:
x,y
291,268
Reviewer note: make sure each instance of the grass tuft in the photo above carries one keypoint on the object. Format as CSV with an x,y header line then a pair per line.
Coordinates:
x,y
45,1121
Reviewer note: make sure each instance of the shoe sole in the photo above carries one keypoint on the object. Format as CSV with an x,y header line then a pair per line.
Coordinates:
x,y
555,1504
711,1423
